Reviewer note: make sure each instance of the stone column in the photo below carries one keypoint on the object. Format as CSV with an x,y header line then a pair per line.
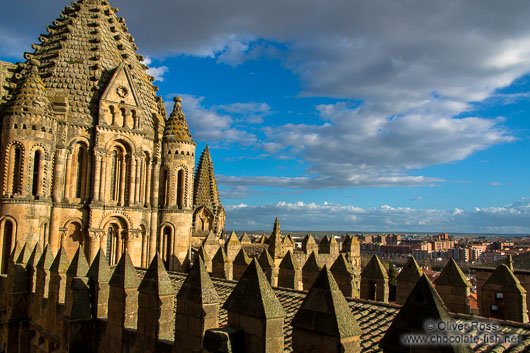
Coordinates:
x,y
58,185
147,195
104,183
67,188
123,178
97,178
132,181
138,180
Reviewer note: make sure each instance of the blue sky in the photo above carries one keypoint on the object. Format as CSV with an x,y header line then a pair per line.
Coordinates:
x,y
351,115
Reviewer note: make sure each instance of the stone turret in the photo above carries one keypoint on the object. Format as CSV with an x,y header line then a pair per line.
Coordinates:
x,y
211,244
351,246
374,281
209,214
176,186
503,296
406,280
423,308
253,307
324,322
454,288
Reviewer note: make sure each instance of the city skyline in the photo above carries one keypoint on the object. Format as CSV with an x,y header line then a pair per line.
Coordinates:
x,y
408,118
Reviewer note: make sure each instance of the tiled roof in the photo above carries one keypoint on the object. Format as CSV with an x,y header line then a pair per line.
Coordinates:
x,y
521,263
374,318
79,54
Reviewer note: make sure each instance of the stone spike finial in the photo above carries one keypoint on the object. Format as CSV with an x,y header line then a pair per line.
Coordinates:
x,y
60,263
198,286
23,255
342,265
265,260
242,258
125,275
211,239
411,271
288,262
245,239
35,255
375,269
452,275
423,305
203,254
99,269
79,265
16,251
253,295
46,259
504,277
311,264
325,311
156,280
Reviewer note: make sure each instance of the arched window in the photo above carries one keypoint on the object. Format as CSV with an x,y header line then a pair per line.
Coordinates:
x,y
180,189
36,173
7,244
17,170
164,188
166,246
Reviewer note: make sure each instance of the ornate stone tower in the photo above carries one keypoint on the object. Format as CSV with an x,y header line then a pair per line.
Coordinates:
x,y
209,214
88,157
176,187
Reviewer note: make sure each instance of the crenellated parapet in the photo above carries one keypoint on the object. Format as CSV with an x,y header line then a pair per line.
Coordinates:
x,y
127,309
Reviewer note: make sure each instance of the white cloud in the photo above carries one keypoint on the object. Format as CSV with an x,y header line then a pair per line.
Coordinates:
x,y
207,124
511,218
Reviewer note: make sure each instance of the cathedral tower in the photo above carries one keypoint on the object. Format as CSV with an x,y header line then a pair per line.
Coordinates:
x,y
88,157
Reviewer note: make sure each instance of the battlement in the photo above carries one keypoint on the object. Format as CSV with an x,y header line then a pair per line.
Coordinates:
x,y
77,307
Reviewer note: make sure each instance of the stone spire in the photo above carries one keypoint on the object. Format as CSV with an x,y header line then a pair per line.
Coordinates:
x,y
275,241
177,126
374,281
205,188
79,54
325,322
310,271
422,306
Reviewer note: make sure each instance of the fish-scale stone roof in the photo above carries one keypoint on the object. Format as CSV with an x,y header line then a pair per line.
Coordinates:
x,y
176,126
79,54
30,97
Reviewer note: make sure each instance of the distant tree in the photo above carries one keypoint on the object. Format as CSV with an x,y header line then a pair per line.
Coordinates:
x,y
392,282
